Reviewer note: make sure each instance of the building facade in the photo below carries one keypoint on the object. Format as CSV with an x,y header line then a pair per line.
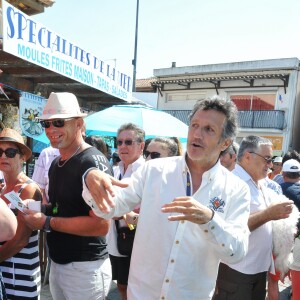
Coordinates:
x,y
266,93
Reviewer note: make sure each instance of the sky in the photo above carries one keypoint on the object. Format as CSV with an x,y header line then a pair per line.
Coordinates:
x,y
188,32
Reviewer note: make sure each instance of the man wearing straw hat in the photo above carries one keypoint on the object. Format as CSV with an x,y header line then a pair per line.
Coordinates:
x,y
80,267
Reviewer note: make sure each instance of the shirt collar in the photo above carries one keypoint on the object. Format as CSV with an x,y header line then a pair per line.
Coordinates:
x,y
208,175
133,166
243,174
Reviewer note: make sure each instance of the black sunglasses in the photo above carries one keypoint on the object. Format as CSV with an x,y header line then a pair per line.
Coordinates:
x,y
9,152
153,155
56,123
267,160
126,142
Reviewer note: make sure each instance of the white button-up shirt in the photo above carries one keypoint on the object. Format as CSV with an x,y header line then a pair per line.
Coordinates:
x,y
42,166
179,260
111,237
259,256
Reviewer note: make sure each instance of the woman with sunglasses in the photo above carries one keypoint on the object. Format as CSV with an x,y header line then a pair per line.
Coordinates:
x,y
19,257
161,147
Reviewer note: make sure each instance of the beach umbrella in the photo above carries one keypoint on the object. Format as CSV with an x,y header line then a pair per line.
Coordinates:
x,y
40,142
155,122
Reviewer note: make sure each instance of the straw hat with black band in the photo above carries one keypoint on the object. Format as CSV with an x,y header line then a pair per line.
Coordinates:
x,y
9,135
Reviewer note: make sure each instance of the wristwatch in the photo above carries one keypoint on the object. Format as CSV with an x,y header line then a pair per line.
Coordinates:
x,y
47,227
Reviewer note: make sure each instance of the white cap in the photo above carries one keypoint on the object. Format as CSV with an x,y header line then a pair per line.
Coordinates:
x,y
291,165
277,159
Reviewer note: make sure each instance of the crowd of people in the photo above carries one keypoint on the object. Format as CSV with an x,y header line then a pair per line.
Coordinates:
x,y
216,221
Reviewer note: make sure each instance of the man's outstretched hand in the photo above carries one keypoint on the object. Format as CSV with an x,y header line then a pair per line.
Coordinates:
x,y
100,186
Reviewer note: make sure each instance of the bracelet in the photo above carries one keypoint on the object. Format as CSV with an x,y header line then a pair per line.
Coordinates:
x,y
213,214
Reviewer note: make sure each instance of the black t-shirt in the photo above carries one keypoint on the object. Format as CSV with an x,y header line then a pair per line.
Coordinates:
x,y
65,189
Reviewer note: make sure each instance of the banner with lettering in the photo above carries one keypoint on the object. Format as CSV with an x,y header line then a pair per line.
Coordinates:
x,y
30,40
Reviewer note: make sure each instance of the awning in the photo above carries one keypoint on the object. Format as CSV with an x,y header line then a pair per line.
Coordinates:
x,y
35,59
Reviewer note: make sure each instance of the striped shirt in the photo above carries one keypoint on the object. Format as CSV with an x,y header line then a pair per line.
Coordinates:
x,y
21,273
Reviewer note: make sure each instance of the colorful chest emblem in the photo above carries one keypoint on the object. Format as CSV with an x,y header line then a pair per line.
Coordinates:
x,y
217,204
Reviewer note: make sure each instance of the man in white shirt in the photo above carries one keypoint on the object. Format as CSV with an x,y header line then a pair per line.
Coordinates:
x,y
130,143
41,169
193,211
247,279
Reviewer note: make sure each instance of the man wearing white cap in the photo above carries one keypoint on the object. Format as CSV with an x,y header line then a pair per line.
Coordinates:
x,y
291,189
276,168
291,177
80,267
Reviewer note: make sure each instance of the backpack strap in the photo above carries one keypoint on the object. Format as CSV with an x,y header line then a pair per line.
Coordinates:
x,y
117,225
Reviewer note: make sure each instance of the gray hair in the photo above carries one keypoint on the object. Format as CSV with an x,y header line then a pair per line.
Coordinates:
x,y
139,132
251,143
232,149
167,144
228,108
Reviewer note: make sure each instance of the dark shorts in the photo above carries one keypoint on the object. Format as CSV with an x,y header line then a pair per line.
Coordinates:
x,y
120,268
233,285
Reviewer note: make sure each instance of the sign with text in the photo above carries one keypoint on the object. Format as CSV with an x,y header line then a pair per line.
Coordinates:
x,y
35,43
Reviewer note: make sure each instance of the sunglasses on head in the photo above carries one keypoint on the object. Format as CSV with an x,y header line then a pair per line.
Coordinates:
x,y
153,155
9,152
126,142
56,123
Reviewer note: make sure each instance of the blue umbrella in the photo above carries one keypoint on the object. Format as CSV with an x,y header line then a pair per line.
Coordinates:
x,y
155,122
40,142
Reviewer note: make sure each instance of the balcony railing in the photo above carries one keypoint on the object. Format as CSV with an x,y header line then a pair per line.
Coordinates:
x,y
273,119
262,119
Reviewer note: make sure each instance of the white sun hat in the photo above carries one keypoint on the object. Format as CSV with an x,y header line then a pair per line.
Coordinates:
x,y
61,106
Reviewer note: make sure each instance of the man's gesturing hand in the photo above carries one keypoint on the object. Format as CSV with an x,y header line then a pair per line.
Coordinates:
x,y
187,208
100,186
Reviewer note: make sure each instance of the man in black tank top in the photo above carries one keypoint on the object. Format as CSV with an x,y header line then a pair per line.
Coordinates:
x,y
80,267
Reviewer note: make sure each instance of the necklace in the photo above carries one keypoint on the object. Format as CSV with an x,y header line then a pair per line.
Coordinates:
x,y
61,165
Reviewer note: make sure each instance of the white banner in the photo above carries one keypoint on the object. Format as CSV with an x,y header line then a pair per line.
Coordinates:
x,y
33,42
31,106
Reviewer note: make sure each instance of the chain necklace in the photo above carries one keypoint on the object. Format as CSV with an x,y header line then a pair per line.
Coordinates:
x,y
61,165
